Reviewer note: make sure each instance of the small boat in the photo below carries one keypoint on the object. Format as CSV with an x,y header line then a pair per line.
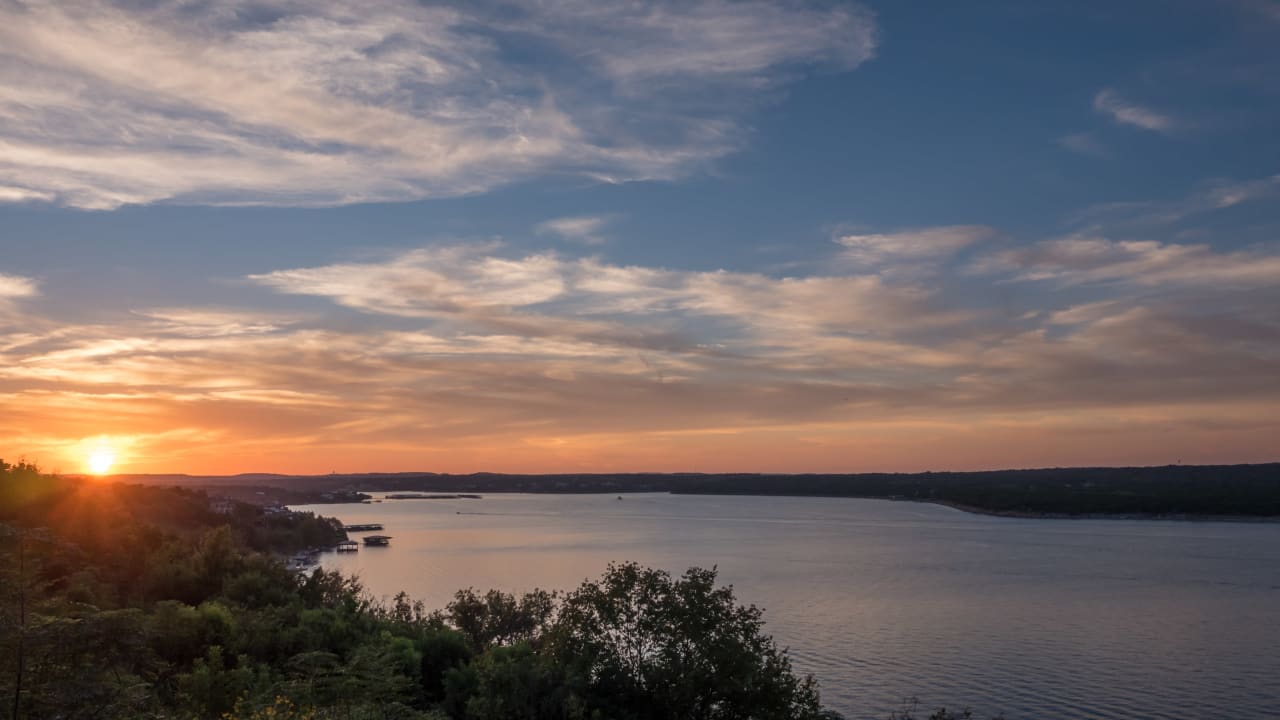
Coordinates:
x,y
300,562
379,540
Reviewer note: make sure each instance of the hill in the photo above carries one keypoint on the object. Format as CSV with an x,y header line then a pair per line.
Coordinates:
x,y
1191,491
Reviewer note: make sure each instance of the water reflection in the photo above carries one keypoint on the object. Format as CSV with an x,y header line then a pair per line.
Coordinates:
x,y
882,600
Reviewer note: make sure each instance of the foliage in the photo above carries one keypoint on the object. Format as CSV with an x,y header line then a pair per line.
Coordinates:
x,y
497,618
281,708
1181,490
121,601
652,646
516,682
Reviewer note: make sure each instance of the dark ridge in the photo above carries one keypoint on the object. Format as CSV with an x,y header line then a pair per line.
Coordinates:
x,y
1234,491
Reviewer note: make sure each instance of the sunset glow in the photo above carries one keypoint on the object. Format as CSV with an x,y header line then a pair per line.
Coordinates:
x,y
100,461
749,236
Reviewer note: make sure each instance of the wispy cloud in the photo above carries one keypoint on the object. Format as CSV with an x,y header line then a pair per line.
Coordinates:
x,y
16,286
1212,195
9,194
1082,259
482,357
214,322
586,229
1083,144
545,292
1126,112
925,244
689,42
107,103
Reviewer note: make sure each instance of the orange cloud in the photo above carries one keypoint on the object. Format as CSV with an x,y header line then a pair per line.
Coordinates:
x,y
466,359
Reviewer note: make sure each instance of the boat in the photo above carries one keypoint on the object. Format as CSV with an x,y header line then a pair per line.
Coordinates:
x,y
379,540
301,562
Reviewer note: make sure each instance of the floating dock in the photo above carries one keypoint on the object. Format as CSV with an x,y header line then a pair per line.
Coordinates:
x,y
362,528
380,540
348,546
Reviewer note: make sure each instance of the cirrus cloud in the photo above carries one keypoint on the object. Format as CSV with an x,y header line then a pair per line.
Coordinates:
x,y
282,102
1109,102
473,355
1086,259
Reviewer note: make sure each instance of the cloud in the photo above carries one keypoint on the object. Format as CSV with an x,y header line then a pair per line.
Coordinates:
x,y
481,357
927,244
545,293
1222,194
10,194
430,281
1125,112
283,102
16,286
1083,144
586,229
1211,196
1139,357
639,43
1084,259
214,322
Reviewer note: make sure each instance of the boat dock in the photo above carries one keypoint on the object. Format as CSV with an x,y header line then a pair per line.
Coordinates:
x,y
362,528
379,540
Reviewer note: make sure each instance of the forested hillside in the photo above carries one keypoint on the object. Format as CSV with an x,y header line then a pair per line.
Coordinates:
x,y
1236,491
124,601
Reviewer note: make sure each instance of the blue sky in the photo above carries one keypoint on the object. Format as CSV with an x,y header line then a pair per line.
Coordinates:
x,y
703,235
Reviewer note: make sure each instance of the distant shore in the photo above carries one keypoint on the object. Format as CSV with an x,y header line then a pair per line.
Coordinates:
x,y
430,496
1025,515
1241,493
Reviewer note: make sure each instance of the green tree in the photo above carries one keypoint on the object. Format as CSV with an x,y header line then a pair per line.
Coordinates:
x,y
498,618
642,644
213,687
442,650
515,683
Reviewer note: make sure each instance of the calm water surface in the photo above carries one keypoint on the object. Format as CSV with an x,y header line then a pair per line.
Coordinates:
x,y
884,600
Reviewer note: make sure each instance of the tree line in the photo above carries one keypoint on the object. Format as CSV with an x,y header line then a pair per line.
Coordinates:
x,y
1239,491
125,601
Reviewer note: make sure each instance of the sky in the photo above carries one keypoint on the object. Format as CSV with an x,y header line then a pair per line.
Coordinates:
x,y
313,236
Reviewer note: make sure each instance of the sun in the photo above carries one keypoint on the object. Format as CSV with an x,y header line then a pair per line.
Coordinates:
x,y
101,460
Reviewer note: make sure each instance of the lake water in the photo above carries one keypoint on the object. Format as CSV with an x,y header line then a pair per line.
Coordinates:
x,y
882,600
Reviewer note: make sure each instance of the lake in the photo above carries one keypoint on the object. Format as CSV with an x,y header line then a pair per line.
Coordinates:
x,y
884,600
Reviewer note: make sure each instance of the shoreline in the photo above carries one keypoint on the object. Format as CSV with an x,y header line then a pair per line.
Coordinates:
x,y
970,509
1029,515
1203,493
